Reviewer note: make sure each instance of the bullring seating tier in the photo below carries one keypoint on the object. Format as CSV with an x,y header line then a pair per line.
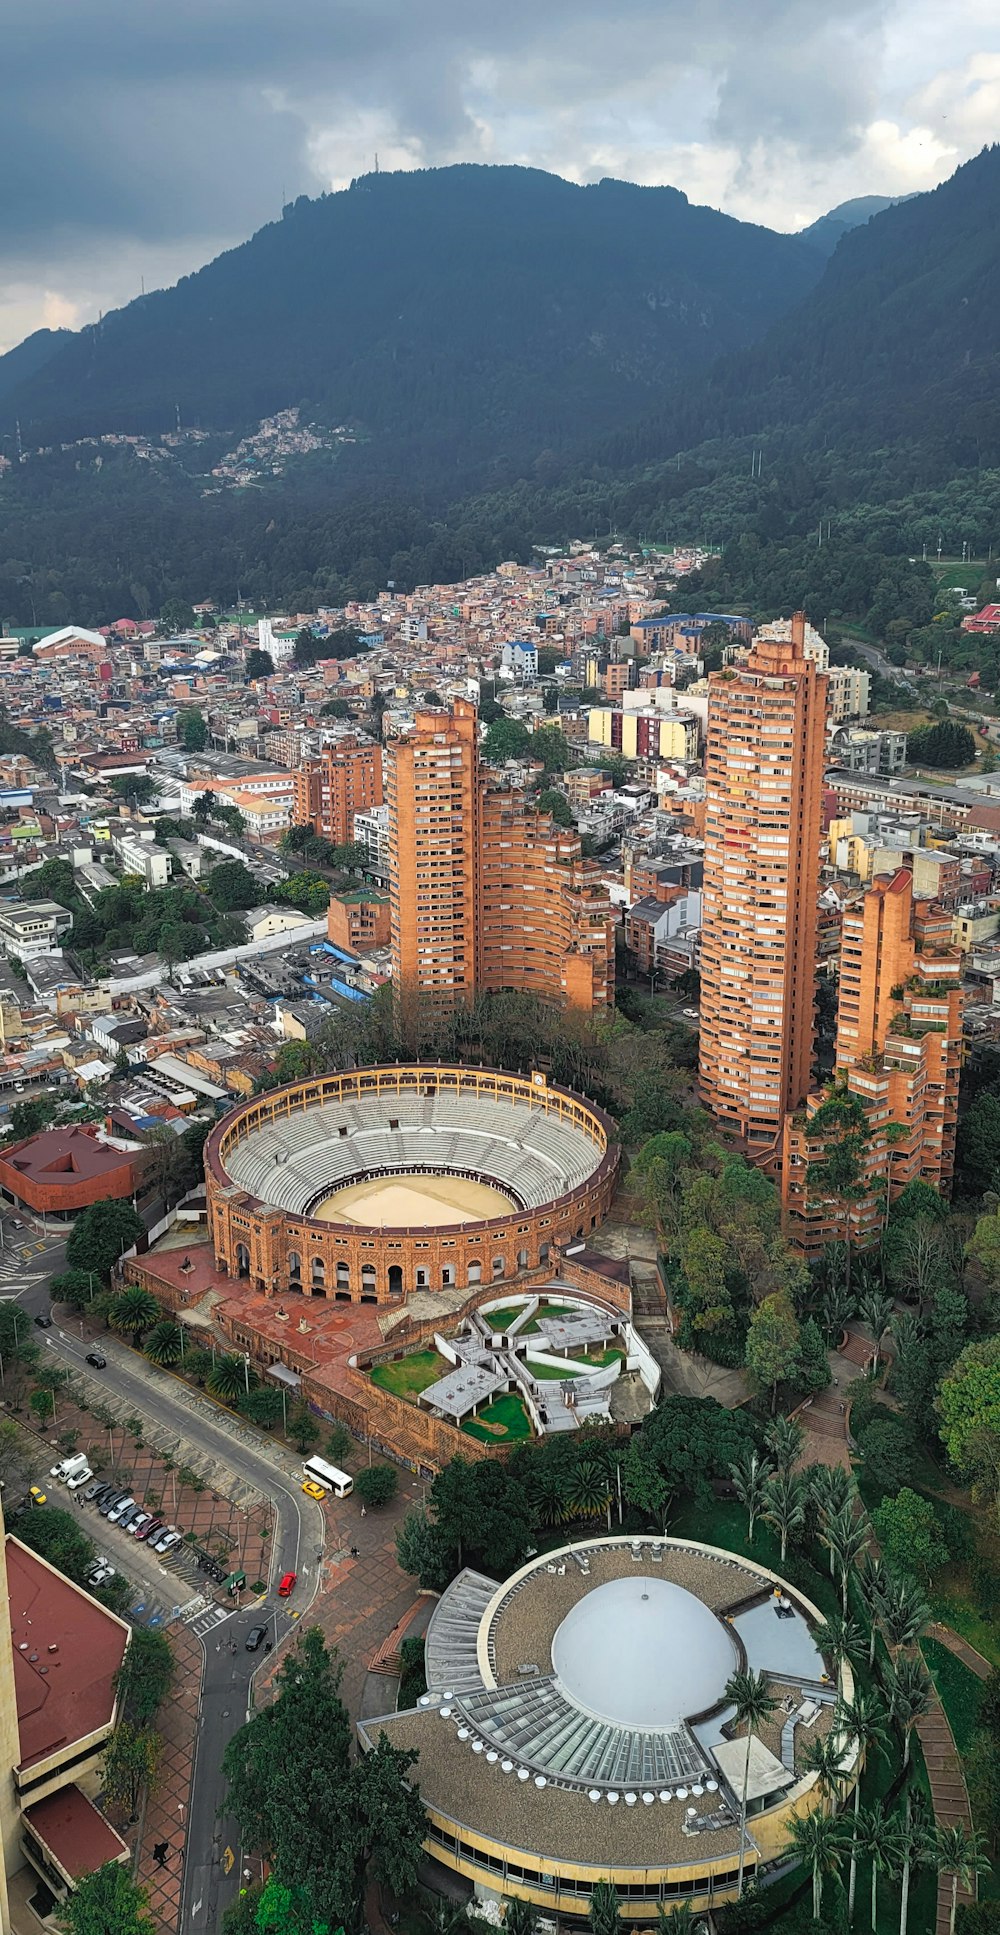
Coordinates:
x,y
531,1154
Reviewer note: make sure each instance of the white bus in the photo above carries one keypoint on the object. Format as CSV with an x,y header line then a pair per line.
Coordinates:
x,y
318,1472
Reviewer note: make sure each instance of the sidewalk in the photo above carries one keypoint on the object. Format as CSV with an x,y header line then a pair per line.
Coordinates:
x,y
166,1811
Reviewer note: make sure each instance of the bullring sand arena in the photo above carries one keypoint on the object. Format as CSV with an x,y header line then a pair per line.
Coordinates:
x,y
409,1201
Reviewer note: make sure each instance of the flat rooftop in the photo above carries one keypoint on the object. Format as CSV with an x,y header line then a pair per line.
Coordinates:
x,y
75,1832
67,1650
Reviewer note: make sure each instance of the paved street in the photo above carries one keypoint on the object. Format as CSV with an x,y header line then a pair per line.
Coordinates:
x,y
229,1669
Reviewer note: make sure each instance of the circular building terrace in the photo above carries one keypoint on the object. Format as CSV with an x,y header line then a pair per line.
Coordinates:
x,y
576,1726
367,1185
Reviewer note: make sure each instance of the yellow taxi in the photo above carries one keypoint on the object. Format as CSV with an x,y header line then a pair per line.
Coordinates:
x,y
312,1490
36,1495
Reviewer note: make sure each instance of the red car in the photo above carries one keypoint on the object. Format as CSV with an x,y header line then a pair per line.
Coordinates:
x,y
287,1586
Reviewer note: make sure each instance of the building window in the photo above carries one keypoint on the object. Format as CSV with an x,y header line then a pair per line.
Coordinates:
x,y
498,1266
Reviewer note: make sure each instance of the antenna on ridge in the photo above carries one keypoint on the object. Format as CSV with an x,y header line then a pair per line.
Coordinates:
x,y
177,412
376,161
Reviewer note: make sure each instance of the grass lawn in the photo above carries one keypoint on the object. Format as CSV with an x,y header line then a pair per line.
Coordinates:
x,y
959,1688
411,1374
724,1522
507,1412
953,1605
550,1373
502,1319
597,1359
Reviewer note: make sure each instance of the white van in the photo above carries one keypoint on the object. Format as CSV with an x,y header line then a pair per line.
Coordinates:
x,y
69,1467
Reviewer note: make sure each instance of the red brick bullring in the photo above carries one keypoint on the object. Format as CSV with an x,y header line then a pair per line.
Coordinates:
x,y
255,1241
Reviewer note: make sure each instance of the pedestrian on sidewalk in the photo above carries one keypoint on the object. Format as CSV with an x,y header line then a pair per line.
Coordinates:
x,y
364,1511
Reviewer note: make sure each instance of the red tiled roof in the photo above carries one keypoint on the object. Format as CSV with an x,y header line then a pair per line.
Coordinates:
x,y
67,1650
74,1832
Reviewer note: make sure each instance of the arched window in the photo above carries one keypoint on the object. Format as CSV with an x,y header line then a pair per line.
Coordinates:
x,y
522,1259
447,1276
498,1266
242,1260
318,1273
475,1273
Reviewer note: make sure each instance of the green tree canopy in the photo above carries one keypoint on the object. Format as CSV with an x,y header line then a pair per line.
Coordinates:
x,y
101,1235
773,1344
259,665
550,800
192,730
909,1532
232,885
506,739
968,1405
108,1902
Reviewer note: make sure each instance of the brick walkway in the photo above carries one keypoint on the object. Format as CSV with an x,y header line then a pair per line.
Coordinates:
x,y
962,1650
166,1812
948,1794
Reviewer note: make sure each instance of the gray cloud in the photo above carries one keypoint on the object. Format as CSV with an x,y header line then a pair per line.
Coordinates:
x,y
158,133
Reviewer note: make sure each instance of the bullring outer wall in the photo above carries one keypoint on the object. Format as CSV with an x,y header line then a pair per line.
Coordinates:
x,y
254,1241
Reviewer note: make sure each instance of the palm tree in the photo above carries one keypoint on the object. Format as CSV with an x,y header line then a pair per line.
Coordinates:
x,y
823,1757
604,1913
785,1505
820,1841
909,1694
439,1916
675,1921
862,1719
903,1612
958,1853
231,1377
750,1476
875,1585
915,1843
832,1487
846,1536
876,1839
165,1343
520,1917
876,1311
842,1639
784,1440
837,1309
134,1310
590,1492
748,1693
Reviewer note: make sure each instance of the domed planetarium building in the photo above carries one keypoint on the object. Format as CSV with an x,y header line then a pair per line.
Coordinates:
x,y
576,1726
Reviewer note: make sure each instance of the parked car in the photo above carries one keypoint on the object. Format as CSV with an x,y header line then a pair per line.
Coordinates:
x,y
79,1478
101,1575
94,1491
94,1357
287,1586
312,1490
44,1320
256,1637
118,1511
68,1467
693,1014
150,1531
114,1498
137,1521
166,1543
36,1495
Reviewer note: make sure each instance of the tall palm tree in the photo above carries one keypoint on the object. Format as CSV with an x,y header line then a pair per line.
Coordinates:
x,y
876,1311
832,1487
165,1343
958,1852
836,1311
909,1694
846,1537
842,1639
785,1505
819,1841
876,1839
230,1378
904,1613
915,1843
604,1913
750,1475
863,1719
748,1693
784,1440
823,1757
134,1311
875,1584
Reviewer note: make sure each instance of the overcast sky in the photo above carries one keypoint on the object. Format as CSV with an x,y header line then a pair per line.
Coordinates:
x,y
140,140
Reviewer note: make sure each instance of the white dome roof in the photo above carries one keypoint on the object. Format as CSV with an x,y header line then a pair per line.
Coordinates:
x,y
643,1653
